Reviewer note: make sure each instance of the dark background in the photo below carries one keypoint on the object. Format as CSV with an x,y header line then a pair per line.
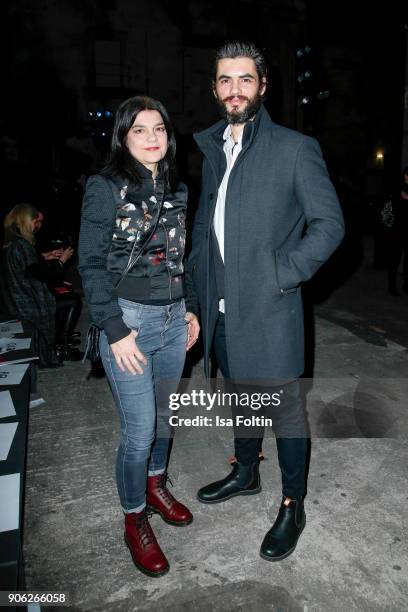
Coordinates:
x,y
65,61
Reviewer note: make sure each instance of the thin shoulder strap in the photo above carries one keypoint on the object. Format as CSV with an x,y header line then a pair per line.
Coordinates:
x,y
118,200
132,257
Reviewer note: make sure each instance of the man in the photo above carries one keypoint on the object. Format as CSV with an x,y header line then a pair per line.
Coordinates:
x,y
268,218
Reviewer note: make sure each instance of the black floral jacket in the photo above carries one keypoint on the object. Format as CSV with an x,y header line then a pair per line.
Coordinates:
x,y
138,229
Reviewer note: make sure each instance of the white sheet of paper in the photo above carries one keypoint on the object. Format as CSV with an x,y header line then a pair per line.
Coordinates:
x,y
12,374
7,432
6,405
10,501
14,344
11,327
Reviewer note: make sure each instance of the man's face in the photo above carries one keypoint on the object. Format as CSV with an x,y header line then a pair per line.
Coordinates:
x,y
238,89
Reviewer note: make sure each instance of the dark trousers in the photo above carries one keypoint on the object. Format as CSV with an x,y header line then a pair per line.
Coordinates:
x,y
289,424
68,310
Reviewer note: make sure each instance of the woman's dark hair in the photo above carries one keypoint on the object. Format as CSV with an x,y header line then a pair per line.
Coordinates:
x,y
234,49
120,162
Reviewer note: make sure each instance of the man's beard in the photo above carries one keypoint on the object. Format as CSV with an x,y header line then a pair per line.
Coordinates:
x,y
243,116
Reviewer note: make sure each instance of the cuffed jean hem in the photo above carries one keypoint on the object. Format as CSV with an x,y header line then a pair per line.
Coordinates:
x,y
156,472
137,509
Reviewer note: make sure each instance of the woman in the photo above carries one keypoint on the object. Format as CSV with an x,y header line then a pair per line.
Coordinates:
x,y
24,291
131,248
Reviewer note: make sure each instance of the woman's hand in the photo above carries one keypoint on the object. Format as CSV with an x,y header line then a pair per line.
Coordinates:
x,y
193,329
127,355
50,255
67,254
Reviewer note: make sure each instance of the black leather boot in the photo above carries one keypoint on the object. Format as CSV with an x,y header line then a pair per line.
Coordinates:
x,y
242,480
281,539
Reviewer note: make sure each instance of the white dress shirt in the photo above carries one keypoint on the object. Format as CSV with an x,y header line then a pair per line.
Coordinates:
x,y
231,150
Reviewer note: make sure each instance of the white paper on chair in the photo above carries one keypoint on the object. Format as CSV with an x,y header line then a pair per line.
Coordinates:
x,y
12,374
10,502
7,432
14,344
10,327
6,405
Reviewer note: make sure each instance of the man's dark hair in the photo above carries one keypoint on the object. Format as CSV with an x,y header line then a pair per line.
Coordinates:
x,y
231,50
121,163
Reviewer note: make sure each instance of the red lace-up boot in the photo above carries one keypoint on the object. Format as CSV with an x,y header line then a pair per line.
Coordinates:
x,y
160,500
141,541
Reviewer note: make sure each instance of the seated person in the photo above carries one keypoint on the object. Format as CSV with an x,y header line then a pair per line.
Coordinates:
x,y
24,291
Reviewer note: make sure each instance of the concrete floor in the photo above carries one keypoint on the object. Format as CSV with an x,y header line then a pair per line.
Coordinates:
x,y
352,554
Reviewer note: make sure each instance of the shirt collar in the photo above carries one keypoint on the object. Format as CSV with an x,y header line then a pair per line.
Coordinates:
x,y
227,136
146,173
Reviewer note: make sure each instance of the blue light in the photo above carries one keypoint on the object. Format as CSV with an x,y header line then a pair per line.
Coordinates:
x,y
99,114
108,114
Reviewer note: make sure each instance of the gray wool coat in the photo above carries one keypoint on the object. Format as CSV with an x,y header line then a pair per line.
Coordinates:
x,y
282,222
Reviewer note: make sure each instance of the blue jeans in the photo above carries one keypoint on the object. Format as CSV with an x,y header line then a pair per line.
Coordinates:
x,y
142,400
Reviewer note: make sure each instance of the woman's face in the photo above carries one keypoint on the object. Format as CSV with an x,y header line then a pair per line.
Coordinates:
x,y
147,138
36,223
